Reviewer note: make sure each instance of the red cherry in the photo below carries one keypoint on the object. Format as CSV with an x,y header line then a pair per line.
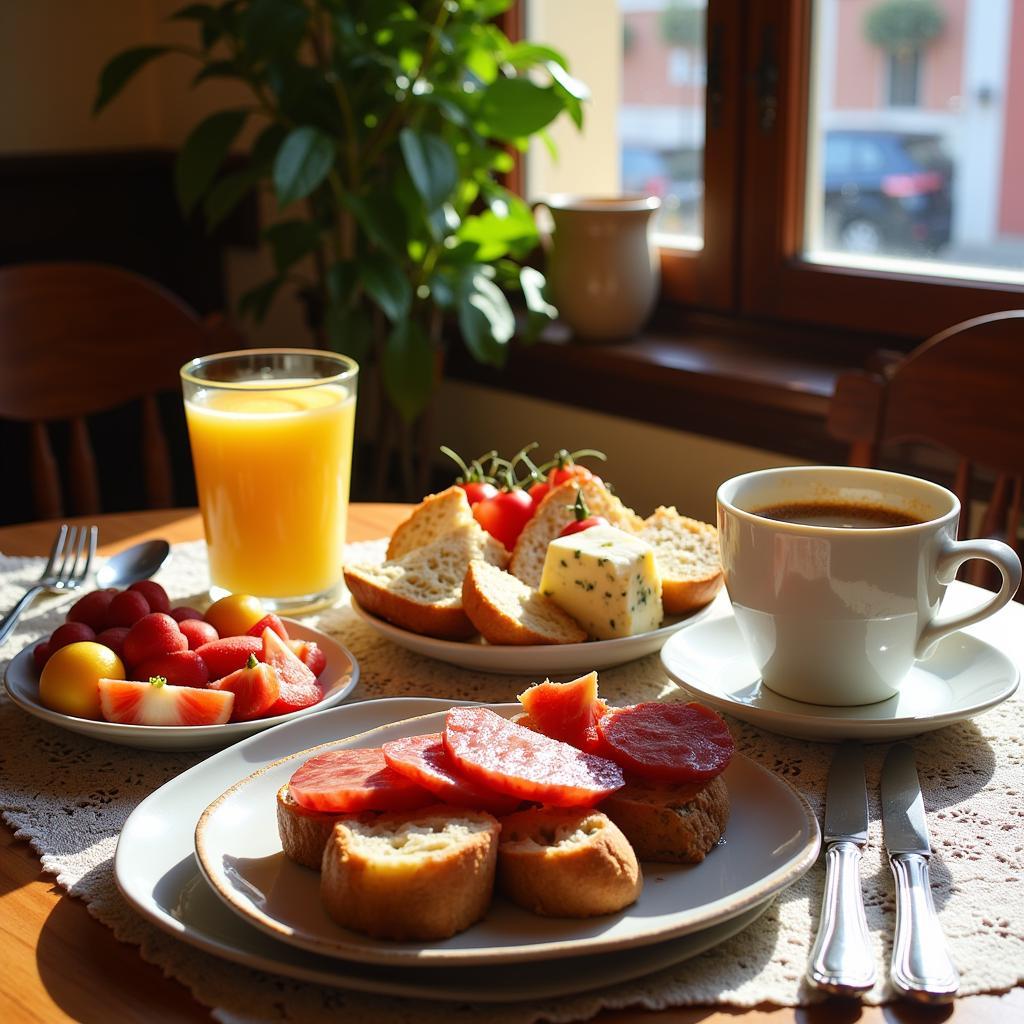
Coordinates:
x,y
70,633
151,636
92,608
114,639
183,613
198,633
127,608
41,655
154,594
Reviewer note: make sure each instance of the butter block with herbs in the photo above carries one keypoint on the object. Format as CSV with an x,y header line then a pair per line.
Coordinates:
x,y
606,579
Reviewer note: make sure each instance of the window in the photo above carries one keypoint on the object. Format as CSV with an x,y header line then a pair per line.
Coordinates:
x,y
850,163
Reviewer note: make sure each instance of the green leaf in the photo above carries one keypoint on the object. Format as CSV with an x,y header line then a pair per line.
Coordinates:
x,y
485,318
506,227
256,301
273,28
267,143
381,220
302,163
117,73
213,20
513,108
290,241
524,55
349,331
408,369
202,154
387,285
341,281
573,86
431,165
218,69
533,284
227,193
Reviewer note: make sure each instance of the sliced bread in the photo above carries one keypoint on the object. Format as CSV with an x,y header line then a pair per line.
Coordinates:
x,y
553,514
566,862
422,590
304,833
436,515
686,553
412,875
506,611
671,823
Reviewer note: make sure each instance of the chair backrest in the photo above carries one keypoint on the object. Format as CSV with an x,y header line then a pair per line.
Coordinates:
x,y
78,339
962,390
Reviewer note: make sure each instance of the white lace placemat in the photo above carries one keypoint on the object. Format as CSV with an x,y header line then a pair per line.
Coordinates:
x,y
69,796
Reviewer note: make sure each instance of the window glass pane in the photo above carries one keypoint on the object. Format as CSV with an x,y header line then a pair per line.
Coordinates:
x,y
661,119
916,147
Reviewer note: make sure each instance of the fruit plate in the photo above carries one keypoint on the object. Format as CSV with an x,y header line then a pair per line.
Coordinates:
x,y
155,869
772,838
550,659
337,680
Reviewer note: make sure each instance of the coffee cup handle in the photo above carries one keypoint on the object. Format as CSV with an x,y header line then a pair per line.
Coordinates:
x,y
956,552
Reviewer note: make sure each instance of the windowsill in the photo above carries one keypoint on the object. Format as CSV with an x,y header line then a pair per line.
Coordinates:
x,y
750,383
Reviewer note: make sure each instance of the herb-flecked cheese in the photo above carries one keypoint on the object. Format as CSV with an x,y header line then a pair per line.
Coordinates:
x,y
606,580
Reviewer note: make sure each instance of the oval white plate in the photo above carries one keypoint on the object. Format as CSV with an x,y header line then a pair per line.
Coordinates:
x,y
337,680
550,659
964,677
772,838
155,869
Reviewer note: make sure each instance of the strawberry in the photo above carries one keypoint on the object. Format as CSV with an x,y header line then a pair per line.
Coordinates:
x,y
179,668
298,687
310,654
255,687
270,621
229,654
151,636
156,703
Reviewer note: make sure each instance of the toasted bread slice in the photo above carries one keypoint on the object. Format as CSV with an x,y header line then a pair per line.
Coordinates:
x,y
422,590
686,553
436,515
553,514
506,611
304,833
412,875
566,862
671,823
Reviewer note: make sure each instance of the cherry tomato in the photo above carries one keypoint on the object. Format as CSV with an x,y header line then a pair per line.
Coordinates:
x,y
505,515
583,524
479,490
538,492
572,471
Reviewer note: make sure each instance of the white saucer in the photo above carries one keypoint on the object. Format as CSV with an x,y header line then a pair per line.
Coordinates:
x,y
964,677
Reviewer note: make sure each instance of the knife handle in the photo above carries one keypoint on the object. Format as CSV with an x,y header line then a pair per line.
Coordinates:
x,y
921,967
841,959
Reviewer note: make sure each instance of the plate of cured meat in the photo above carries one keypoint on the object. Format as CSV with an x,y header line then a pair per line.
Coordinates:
x,y
345,807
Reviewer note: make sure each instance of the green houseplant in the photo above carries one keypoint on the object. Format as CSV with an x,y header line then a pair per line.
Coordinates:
x,y
385,129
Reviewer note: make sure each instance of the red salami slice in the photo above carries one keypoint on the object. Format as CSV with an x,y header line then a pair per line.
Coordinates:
x,y
355,780
496,753
423,760
668,742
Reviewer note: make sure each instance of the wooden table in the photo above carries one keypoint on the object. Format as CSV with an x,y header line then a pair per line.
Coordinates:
x,y
60,964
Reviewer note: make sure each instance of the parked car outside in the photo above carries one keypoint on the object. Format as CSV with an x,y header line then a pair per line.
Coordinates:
x,y
886,192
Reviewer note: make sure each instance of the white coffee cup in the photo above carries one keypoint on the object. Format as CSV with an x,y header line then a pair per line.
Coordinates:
x,y
837,615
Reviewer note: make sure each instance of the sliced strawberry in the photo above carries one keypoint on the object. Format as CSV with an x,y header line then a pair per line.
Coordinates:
x,y
156,703
310,654
181,668
567,711
423,760
255,688
297,681
270,621
355,780
229,654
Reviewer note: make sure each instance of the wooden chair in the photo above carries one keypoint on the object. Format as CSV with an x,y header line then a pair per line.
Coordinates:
x,y
963,391
77,339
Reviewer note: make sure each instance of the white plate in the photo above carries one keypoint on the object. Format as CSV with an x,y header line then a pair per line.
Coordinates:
x,y
550,659
964,677
772,838
156,871
337,680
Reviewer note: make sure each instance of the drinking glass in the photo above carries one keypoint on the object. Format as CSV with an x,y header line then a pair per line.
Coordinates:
x,y
271,433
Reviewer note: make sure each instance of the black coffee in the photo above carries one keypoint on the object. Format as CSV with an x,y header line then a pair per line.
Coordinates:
x,y
846,515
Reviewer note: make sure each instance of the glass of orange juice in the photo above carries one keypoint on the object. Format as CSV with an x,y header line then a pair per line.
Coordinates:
x,y
271,433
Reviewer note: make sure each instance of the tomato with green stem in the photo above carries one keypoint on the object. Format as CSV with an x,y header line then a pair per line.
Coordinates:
x,y
582,519
505,514
473,480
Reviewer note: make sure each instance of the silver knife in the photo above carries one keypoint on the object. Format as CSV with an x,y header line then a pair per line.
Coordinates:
x,y
921,966
841,959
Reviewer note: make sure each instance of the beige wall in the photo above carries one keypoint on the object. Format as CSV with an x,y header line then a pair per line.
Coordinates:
x,y
51,53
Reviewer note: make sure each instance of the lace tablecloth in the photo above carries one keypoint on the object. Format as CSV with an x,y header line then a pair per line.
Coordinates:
x,y
69,796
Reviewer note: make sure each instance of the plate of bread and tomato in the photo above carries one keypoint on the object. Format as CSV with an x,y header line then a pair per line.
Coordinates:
x,y
572,594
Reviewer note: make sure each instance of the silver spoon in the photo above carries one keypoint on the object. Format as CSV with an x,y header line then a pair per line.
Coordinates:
x,y
138,562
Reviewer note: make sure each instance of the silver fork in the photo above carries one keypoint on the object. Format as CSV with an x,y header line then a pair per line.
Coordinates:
x,y
72,554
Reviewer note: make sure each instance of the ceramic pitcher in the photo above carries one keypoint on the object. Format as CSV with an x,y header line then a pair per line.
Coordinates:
x,y
602,264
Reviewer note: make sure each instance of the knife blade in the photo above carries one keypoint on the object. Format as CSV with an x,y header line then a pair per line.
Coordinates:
x,y
841,959
921,967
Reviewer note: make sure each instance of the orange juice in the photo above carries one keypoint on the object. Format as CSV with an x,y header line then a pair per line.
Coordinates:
x,y
272,461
